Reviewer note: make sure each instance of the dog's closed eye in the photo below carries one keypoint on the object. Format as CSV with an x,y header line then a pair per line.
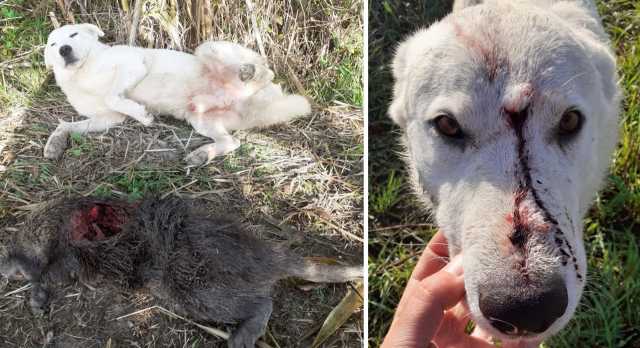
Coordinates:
x,y
72,35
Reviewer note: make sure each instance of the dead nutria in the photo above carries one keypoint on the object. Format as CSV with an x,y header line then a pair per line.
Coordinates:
x,y
211,268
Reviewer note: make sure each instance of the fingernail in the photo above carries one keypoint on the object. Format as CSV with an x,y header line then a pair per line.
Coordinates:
x,y
454,266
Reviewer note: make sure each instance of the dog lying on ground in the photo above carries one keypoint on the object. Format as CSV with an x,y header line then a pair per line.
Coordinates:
x,y
208,267
509,111
223,87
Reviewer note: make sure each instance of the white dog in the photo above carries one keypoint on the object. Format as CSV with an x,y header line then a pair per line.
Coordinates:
x,y
509,111
223,87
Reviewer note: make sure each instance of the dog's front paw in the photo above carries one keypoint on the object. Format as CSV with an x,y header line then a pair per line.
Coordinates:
x,y
197,157
56,144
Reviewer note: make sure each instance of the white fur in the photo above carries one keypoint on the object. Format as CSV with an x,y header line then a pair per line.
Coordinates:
x,y
560,47
106,84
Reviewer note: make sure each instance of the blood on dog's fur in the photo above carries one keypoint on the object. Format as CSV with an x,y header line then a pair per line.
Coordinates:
x,y
490,54
521,227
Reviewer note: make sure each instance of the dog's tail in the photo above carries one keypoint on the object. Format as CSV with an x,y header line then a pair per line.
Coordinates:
x,y
326,273
279,110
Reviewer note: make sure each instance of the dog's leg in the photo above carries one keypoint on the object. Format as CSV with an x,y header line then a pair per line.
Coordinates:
x,y
214,129
124,81
57,142
253,328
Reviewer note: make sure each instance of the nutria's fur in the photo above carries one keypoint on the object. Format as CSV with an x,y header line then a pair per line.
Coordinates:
x,y
211,268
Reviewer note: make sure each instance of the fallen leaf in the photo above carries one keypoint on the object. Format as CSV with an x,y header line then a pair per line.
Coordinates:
x,y
351,303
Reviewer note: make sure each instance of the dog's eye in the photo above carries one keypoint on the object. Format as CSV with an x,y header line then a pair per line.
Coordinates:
x,y
53,44
72,35
570,123
448,126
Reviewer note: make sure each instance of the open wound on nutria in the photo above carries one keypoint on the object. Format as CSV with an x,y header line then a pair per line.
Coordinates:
x,y
97,222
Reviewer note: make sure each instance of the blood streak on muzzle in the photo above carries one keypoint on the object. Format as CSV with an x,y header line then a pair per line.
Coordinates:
x,y
516,111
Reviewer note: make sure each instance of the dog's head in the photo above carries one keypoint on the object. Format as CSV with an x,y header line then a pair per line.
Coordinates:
x,y
510,118
68,46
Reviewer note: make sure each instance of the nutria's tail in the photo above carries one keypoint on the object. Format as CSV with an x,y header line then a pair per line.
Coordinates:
x,y
324,273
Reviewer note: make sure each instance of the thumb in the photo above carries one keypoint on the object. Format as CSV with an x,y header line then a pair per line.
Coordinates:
x,y
422,306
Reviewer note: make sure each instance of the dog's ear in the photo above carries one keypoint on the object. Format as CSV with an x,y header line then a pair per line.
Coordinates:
x,y
585,17
461,4
604,62
92,29
397,109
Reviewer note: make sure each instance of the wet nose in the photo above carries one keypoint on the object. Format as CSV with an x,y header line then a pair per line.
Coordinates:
x,y
519,309
65,50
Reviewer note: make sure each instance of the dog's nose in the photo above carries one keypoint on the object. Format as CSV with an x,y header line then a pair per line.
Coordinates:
x,y
65,50
519,309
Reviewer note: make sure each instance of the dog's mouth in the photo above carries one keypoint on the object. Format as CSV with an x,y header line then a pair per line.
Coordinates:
x,y
70,60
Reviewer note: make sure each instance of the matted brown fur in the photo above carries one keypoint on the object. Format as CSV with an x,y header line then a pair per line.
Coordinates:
x,y
209,267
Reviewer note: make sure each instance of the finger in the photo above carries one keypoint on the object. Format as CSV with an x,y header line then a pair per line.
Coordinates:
x,y
422,306
480,333
453,325
452,331
433,257
461,314
521,344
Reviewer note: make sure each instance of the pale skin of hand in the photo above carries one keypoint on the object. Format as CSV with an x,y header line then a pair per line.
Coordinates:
x,y
433,311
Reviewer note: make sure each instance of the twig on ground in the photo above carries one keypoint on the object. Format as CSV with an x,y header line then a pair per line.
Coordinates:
x,y
254,26
133,31
213,331
54,20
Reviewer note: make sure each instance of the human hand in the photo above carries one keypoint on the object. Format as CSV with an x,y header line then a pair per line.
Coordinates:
x,y
433,311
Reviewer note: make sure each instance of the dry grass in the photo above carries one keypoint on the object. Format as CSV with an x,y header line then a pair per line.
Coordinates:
x,y
306,175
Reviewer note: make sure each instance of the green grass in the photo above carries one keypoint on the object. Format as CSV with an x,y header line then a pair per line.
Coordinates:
x,y
385,197
342,70
609,314
20,35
